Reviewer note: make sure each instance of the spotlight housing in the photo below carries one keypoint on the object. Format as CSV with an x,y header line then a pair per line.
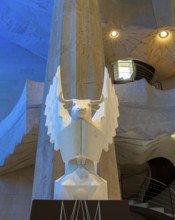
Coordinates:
x,y
163,34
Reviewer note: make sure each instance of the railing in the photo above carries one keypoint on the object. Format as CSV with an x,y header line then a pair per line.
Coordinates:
x,y
143,70
142,189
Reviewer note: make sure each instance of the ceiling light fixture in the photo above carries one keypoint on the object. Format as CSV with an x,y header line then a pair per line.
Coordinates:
x,y
114,34
173,136
163,34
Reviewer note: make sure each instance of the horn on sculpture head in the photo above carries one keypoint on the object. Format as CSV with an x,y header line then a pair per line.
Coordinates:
x,y
64,101
97,102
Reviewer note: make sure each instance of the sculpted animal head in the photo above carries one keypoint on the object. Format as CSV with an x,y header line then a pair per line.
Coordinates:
x,y
81,108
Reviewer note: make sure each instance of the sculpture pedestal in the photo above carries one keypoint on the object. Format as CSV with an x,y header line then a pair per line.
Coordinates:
x,y
80,185
71,209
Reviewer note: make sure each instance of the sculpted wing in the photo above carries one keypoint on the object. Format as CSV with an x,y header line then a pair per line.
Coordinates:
x,y
106,117
57,117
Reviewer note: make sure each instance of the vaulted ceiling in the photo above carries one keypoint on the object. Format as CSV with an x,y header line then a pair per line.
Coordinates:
x,y
138,23
28,24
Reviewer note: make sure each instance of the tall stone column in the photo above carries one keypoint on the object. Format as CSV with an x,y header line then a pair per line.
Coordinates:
x,y
81,57
82,69
42,186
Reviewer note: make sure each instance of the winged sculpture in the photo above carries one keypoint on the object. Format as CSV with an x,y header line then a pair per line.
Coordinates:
x,y
81,129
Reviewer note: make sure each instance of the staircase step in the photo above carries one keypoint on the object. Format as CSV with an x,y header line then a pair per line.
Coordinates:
x,y
143,205
24,154
158,209
169,214
131,202
23,118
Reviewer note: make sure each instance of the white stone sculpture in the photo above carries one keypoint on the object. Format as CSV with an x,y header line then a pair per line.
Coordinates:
x,y
81,135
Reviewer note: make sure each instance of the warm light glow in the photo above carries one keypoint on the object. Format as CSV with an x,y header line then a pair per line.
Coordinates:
x,y
123,70
163,34
173,136
114,34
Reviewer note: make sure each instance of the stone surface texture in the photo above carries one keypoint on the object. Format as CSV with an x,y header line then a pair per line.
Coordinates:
x,y
146,123
82,55
15,194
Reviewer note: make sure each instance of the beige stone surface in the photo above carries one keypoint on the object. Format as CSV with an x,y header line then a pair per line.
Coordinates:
x,y
109,171
15,194
44,159
82,59
23,156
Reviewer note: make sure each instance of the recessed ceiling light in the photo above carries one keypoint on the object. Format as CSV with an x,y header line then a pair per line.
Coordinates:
x,y
173,136
114,34
163,34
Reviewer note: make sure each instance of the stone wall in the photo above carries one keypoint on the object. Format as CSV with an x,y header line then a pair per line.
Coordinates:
x,y
15,194
168,84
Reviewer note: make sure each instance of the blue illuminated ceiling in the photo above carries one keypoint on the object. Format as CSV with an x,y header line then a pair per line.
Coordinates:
x,y
27,23
24,41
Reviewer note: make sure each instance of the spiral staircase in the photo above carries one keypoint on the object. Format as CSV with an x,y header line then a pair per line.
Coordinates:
x,y
149,203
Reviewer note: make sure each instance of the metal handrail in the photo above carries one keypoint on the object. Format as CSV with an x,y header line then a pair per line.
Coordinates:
x,y
144,187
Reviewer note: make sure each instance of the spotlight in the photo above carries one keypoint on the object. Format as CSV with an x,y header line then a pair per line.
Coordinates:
x,y
163,34
114,34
